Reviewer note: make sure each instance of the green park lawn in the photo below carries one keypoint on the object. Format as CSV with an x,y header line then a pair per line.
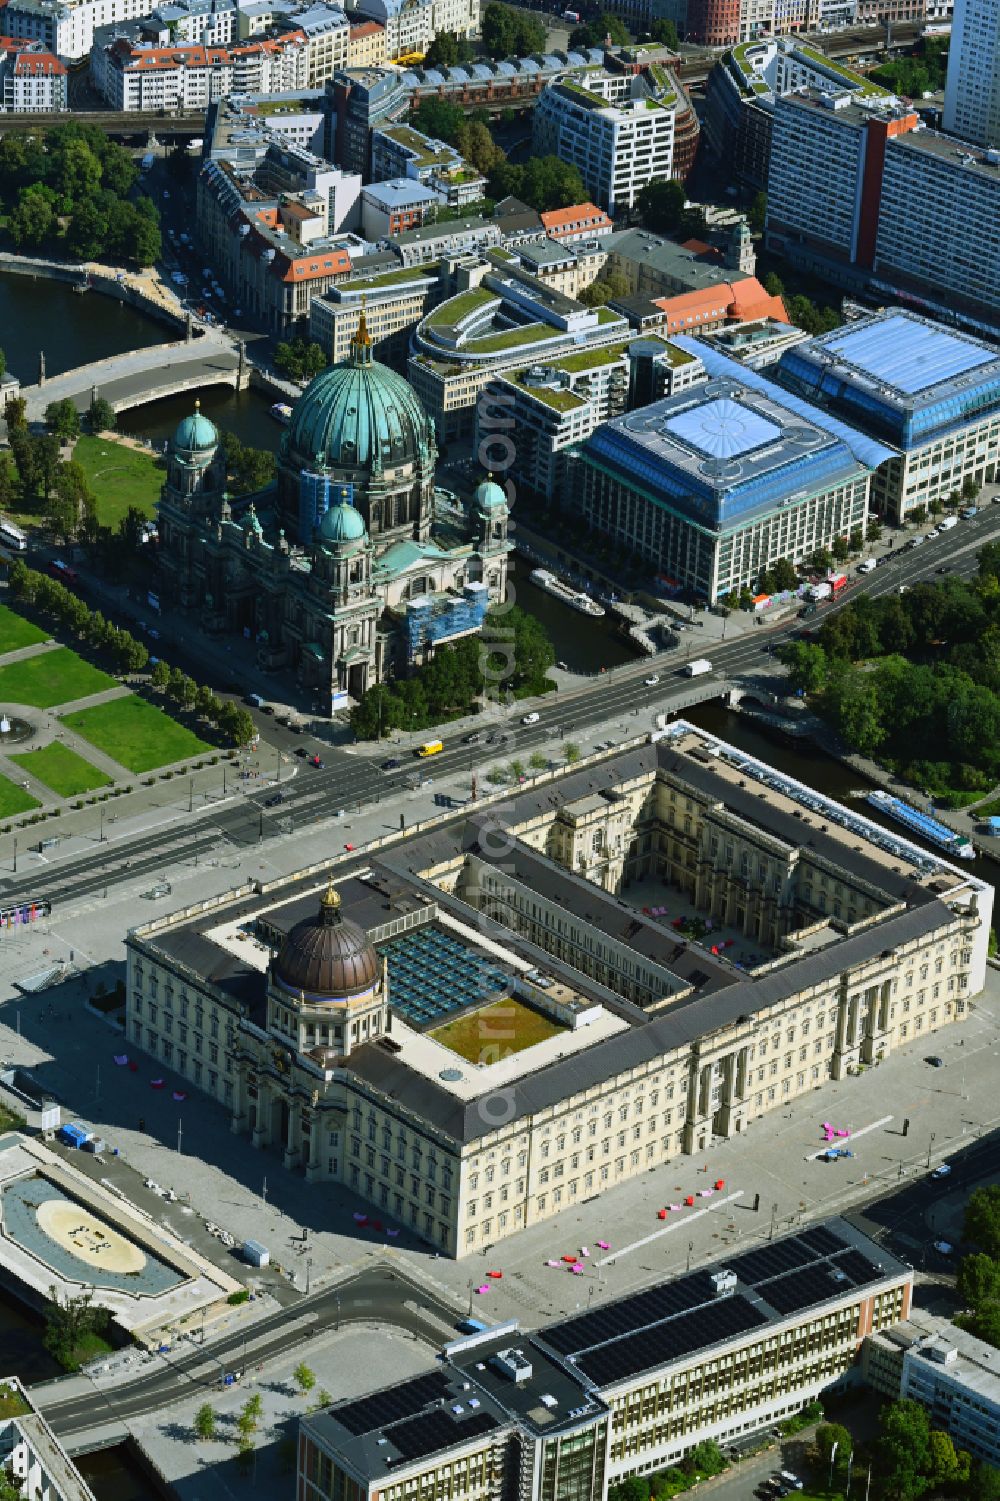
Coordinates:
x,y
135,734
16,632
119,477
61,769
52,677
491,1032
14,799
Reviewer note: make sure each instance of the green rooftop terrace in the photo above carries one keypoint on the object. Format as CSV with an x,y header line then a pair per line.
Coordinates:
x,y
390,279
420,145
557,398
511,338
451,313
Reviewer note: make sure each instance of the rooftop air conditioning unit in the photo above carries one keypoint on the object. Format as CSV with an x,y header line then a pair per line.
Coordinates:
x,y
723,1284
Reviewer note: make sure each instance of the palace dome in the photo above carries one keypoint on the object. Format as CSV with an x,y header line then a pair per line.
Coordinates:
x,y
195,434
342,522
327,957
357,415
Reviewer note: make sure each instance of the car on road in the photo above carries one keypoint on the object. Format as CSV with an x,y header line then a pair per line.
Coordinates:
x,y
393,763
300,750
274,800
935,1061
944,1247
943,1170
652,681
943,568
267,708
472,739
316,761
530,718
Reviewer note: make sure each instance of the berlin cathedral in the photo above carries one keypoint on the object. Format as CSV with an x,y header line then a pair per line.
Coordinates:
x,y
346,570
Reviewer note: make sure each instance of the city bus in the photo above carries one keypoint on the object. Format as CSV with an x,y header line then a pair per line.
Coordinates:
x,y
430,748
12,537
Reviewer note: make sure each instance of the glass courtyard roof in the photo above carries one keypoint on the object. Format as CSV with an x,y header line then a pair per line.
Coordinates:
x,y
907,354
722,429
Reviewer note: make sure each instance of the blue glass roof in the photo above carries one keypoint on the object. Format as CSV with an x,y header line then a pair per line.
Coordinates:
x,y
907,353
722,429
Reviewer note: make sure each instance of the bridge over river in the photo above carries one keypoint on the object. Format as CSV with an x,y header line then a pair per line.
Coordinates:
x,y
142,375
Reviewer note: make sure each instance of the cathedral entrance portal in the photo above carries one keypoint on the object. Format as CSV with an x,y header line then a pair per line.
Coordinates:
x,y
357,680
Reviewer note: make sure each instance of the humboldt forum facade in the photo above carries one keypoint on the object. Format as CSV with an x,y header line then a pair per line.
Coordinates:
x,y
483,1023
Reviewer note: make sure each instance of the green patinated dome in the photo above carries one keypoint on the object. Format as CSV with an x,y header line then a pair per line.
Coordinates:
x,y
489,496
341,523
196,434
358,415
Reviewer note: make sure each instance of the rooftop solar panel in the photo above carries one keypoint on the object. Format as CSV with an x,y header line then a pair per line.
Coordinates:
x,y
394,1403
694,1330
858,1267
628,1314
771,1261
806,1287
437,1430
821,1240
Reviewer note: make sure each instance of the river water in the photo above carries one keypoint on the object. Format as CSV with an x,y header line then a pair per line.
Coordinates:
x,y
37,314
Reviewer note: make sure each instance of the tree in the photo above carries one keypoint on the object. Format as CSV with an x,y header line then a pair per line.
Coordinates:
x,y
300,360
571,753
900,1455
660,205
918,514
304,1378
160,675
829,1435
508,32
840,549
241,725
978,1281
757,214
255,1406
856,540
808,668
68,1323
604,289
63,419
447,49
475,142
705,1459
632,1488
545,183
873,531
970,488
982,1220
101,416
32,219
15,410
949,1468
603,28
440,119
204,1421
665,32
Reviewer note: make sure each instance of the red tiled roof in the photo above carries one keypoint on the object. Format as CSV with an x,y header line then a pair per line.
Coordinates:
x,y
39,63
577,216
736,302
363,28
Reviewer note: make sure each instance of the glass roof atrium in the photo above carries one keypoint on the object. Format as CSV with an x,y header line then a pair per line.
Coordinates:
x,y
723,429
906,353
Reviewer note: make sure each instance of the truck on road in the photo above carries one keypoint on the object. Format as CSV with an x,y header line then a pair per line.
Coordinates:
x,y
697,668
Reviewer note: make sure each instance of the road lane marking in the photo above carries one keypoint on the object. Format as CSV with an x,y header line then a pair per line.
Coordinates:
x,y
677,1224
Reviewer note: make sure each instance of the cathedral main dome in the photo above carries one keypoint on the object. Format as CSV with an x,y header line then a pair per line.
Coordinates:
x,y
358,415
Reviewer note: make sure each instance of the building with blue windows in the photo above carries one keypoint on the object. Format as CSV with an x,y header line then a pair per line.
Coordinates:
x,y
714,484
930,392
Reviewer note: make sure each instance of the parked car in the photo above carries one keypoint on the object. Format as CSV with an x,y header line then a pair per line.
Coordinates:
x,y
944,1247
943,1170
300,750
274,800
530,718
935,1061
472,739
392,764
651,682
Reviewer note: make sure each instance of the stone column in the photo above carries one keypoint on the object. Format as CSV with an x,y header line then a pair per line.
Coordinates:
x,y
742,1073
261,1136
293,1144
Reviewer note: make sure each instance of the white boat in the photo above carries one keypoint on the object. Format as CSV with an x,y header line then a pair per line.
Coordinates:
x,y
922,823
282,412
572,597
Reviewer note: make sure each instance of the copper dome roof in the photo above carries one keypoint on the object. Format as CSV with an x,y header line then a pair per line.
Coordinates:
x,y
327,955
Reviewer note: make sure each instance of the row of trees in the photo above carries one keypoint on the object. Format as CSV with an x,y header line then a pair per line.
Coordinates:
x,y
802,311
921,73
67,189
914,678
544,182
452,680
978,1281
68,611
704,1460
508,31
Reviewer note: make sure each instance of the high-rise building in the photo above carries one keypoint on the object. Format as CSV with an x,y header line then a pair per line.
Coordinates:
x,y
972,93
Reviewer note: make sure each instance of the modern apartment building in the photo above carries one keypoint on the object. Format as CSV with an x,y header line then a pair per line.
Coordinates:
x,y
315,1023
712,485
31,79
552,407
931,393
508,319
742,88
402,151
361,100
972,91
575,1407
830,218
580,224
939,228
193,76
393,303
948,1371
616,128
391,207
66,27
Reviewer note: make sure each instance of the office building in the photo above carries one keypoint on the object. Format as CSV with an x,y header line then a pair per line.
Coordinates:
x,y
954,1375
617,128
824,186
326,32
712,485
580,224
741,91
323,1027
574,1407
31,79
393,302
361,100
655,267
552,407
972,90
400,203
506,320
937,240
929,392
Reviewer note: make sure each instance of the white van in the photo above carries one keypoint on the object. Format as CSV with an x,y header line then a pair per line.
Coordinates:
x,y
868,566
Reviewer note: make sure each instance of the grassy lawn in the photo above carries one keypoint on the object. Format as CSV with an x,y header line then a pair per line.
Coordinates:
x,y
506,1026
53,677
62,769
16,632
135,733
14,799
120,477
10,1121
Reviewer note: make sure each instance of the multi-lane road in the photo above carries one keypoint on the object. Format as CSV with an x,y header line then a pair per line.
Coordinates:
x,y
617,701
